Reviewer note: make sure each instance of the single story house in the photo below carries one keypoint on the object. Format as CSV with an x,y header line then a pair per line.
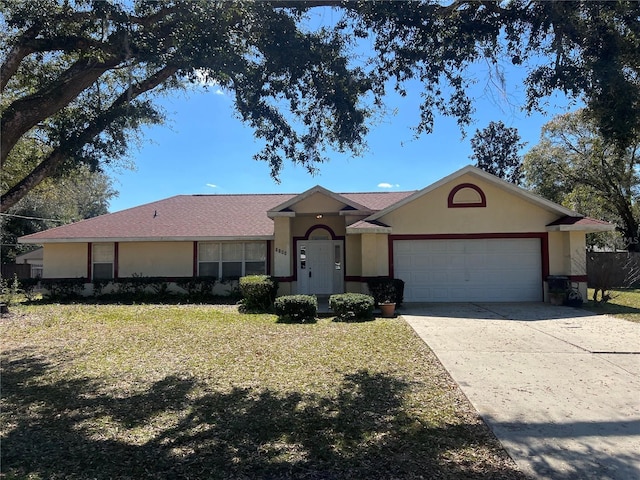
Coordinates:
x,y
468,237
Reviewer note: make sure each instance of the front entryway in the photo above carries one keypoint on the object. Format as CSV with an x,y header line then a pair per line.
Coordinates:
x,y
320,267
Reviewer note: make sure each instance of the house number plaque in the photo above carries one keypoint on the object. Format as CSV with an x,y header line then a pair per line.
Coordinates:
x,y
281,251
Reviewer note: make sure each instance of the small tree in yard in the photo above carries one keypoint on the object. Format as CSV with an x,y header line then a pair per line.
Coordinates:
x,y
606,273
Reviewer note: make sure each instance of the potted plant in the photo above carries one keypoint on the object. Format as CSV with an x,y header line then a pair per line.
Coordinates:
x,y
558,286
387,293
388,309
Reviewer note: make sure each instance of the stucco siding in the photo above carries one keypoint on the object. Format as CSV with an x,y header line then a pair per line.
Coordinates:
x,y
301,225
282,247
375,255
504,213
353,257
65,260
317,203
556,253
156,259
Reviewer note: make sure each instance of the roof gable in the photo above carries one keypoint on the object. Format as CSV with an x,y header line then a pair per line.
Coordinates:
x,y
301,199
469,169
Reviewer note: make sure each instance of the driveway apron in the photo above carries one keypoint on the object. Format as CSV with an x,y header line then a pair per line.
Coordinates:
x,y
559,387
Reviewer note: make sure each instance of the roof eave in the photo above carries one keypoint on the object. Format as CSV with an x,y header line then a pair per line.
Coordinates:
x,y
581,228
234,238
360,230
273,214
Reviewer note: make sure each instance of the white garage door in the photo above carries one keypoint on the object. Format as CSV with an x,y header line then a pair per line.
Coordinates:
x,y
487,270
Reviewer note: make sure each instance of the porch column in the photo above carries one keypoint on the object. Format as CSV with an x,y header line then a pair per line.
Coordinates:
x,y
575,260
282,245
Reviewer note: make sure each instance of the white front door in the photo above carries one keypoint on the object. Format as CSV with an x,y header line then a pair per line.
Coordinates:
x,y
319,267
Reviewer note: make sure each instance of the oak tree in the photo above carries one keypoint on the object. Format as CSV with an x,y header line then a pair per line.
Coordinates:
x,y
573,164
80,76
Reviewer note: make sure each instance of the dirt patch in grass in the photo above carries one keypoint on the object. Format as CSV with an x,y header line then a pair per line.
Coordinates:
x,y
204,392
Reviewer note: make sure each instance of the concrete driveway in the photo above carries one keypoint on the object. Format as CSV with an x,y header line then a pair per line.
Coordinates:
x,y
559,387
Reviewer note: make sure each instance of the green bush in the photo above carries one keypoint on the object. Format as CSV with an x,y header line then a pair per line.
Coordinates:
x,y
296,308
386,289
63,288
258,292
198,289
10,290
352,306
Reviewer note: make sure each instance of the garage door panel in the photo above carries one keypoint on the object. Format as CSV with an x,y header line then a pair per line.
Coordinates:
x,y
469,270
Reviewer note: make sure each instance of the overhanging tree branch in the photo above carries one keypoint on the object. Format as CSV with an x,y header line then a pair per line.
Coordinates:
x,y
23,114
118,109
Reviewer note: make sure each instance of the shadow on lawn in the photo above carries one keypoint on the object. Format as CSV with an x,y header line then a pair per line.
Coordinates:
x,y
64,429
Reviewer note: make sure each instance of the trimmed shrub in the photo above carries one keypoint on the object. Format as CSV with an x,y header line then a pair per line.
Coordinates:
x,y
386,289
349,307
258,292
63,288
296,308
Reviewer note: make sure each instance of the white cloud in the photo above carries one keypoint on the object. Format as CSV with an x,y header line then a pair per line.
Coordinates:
x,y
387,185
212,185
219,92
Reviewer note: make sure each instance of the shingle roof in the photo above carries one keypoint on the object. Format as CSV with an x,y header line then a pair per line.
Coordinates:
x,y
578,221
193,217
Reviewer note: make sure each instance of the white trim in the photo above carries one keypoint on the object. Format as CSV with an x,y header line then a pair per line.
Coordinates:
x,y
357,213
356,230
317,189
581,228
532,197
271,214
145,239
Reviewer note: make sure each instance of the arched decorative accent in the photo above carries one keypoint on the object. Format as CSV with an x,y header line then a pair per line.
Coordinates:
x,y
320,226
466,195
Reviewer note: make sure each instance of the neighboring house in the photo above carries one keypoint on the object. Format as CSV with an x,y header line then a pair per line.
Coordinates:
x,y
34,258
468,237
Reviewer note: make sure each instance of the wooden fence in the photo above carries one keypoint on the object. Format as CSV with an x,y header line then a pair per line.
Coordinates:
x,y
616,269
23,270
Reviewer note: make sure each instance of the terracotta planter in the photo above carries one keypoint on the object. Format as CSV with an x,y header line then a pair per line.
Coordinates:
x,y
557,298
388,310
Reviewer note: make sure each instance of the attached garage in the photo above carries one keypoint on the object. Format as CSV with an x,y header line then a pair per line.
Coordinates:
x,y
469,270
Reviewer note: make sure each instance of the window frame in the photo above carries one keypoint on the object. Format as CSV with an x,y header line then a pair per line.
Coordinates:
x,y
95,247
243,260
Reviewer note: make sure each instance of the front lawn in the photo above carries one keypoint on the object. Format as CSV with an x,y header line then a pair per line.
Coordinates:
x,y
197,392
624,303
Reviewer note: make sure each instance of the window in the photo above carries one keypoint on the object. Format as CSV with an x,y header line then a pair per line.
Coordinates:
x,y
231,261
255,259
102,261
208,259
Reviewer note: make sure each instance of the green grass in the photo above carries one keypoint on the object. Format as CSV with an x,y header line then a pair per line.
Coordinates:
x,y
168,392
624,303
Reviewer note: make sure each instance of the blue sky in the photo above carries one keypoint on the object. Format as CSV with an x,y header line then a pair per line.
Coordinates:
x,y
204,149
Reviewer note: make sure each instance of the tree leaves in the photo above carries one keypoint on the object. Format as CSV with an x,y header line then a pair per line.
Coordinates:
x,y
82,75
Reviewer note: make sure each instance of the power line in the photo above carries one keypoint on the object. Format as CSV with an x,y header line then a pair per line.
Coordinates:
x,y
32,218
